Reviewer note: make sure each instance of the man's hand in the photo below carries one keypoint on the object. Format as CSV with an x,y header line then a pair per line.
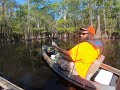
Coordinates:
x,y
54,44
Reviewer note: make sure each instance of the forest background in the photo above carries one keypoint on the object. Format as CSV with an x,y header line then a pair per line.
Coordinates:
x,y
35,19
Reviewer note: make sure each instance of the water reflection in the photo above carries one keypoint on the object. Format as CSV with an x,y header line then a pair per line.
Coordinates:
x,y
21,63
112,53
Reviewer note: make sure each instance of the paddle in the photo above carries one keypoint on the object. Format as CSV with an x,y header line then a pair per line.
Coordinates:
x,y
94,67
65,54
74,62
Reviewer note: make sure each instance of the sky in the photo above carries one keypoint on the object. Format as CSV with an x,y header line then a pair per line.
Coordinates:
x,y
22,1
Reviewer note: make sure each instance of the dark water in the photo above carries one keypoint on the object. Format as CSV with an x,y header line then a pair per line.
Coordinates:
x,y
21,64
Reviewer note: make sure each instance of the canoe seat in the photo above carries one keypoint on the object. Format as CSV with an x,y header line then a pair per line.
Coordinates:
x,y
105,77
94,67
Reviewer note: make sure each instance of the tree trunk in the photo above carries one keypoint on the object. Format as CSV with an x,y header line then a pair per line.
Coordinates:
x,y
90,12
104,19
98,32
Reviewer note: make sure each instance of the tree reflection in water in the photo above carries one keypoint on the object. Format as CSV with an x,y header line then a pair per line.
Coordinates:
x,y
112,53
22,63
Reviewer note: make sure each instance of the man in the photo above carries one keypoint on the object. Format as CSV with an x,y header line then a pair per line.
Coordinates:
x,y
84,53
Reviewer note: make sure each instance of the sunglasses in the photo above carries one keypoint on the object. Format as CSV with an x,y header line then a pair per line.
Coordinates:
x,y
84,33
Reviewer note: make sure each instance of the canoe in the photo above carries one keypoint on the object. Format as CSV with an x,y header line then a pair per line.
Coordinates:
x,y
7,85
88,84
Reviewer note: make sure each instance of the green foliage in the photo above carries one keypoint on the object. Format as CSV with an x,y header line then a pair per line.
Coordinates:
x,y
70,29
60,22
17,32
64,15
38,29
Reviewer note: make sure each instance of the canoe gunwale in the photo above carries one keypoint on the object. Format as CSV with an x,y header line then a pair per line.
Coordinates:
x,y
109,68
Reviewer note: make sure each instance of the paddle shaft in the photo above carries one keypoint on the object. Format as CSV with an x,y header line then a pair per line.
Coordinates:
x,y
66,55
64,52
75,60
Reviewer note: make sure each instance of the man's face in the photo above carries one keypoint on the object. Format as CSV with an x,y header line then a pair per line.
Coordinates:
x,y
84,34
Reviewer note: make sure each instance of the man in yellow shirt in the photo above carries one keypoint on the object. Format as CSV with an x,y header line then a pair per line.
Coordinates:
x,y
83,54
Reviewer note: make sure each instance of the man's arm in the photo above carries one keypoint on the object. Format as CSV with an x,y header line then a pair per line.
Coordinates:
x,y
63,51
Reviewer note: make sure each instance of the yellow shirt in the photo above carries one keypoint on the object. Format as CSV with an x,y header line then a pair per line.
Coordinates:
x,y
84,54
